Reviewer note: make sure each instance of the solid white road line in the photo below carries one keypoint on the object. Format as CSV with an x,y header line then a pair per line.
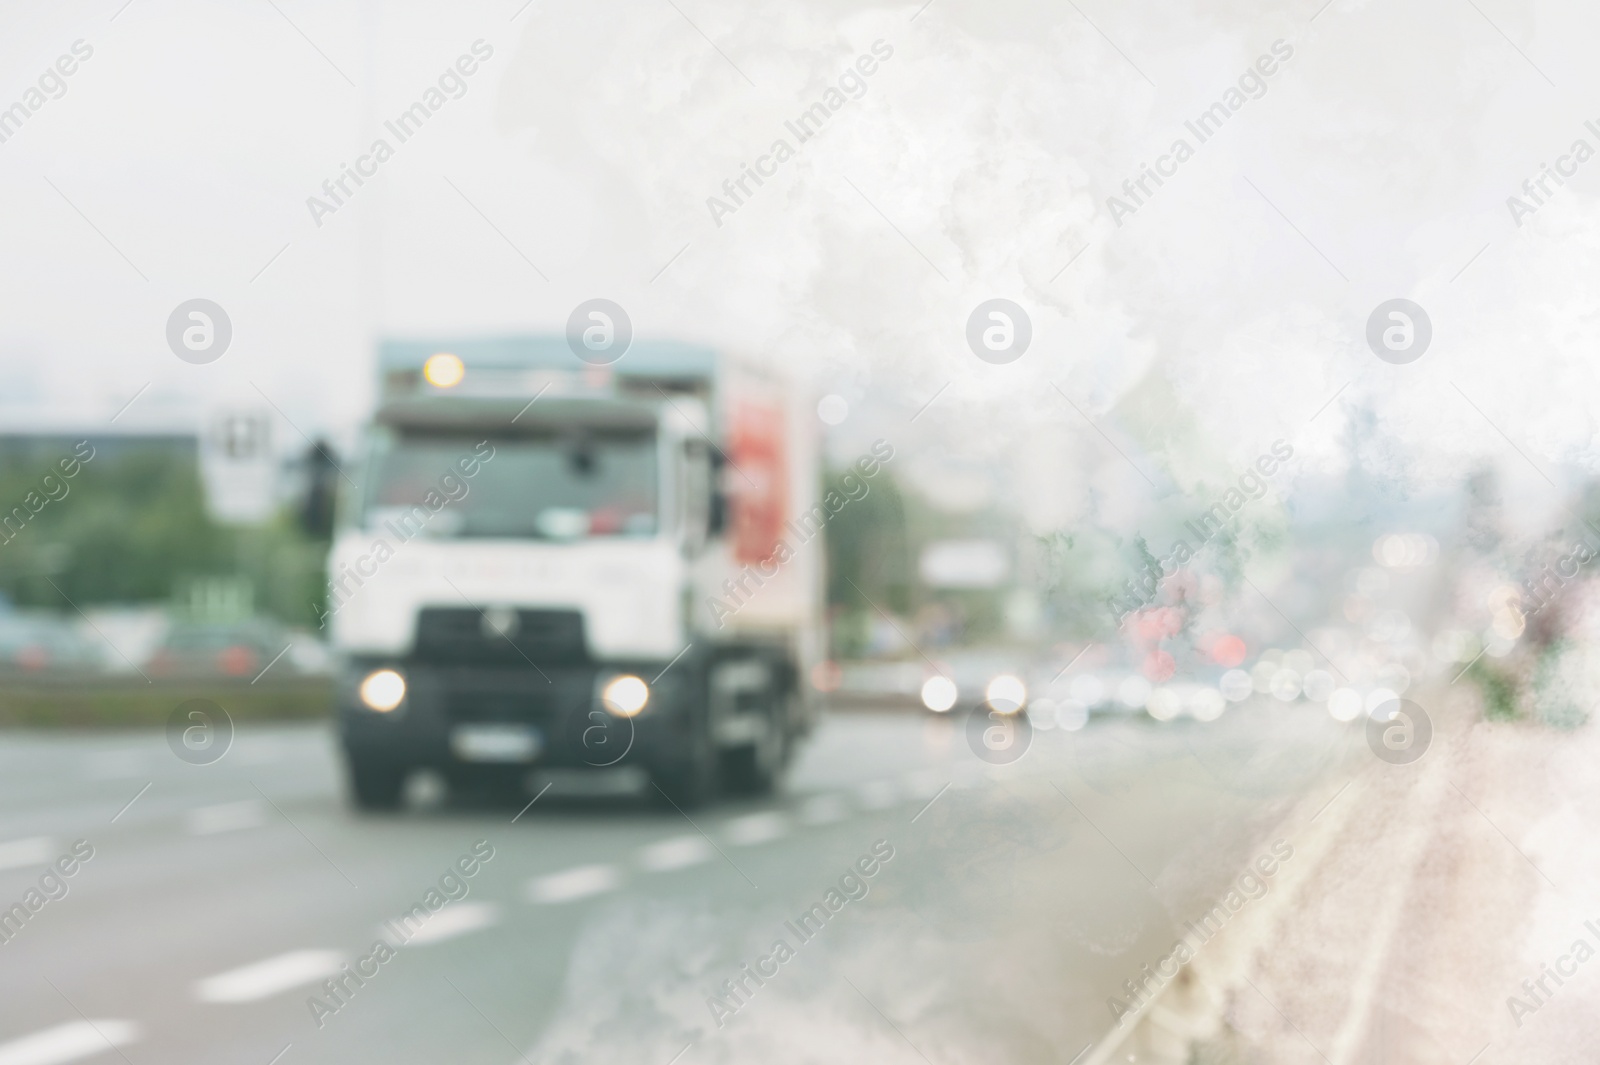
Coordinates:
x,y
679,852
577,883
68,1042
751,829
21,853
454,920
226,817
269,977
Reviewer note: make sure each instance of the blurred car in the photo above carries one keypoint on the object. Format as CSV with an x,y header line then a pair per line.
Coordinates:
x,y
211,649
1202,702
975,677
1106,680
1097,679
43,644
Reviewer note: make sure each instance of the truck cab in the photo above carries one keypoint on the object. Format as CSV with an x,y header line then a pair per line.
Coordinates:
x,y
534,569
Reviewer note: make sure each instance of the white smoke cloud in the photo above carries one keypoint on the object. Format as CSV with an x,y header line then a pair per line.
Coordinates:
x,y
1204,327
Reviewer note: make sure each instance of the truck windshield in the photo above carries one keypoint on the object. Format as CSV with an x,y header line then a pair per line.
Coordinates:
x,y
552,487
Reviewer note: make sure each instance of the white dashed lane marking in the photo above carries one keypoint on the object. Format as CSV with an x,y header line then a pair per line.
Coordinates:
x,y
227,817
259,752
269,977
751,829
680,852
22,853
68,1042
824,810
113,765
923,784
577,883
878,794
452,921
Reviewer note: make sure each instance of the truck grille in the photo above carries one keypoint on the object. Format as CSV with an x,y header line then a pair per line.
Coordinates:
x,y
487,704
521,696
468,636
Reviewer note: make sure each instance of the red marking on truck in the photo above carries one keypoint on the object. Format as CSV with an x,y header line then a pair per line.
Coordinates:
x,y
760,482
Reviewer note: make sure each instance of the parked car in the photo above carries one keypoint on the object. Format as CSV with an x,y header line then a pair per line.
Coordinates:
x,y
44,644
211,649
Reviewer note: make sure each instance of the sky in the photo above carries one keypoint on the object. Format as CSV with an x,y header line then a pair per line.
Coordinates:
x,y
1171,344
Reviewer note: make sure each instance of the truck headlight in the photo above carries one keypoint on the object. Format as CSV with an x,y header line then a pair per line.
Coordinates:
x,y
382,690
444,370
625,696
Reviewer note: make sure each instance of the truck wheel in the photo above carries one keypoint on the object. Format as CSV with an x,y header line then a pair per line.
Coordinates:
x,y
688,779
375,784
755,769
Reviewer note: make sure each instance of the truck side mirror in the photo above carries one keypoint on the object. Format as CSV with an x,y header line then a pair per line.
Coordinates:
x,y
316,509
718,516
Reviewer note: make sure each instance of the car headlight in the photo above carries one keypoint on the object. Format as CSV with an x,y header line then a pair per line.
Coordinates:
x,y
939,694
1006,693
1163,704
625,696
382,690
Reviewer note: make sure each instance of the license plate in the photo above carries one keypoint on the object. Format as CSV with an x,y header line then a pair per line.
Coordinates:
x,y
496,743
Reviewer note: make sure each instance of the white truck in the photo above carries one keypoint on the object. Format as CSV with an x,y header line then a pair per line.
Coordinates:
x,y
546,568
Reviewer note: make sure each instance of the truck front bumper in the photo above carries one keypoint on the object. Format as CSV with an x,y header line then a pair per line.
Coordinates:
x,y
459,718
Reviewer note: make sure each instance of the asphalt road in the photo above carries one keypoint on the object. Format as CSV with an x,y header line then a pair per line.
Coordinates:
x,y
1018,898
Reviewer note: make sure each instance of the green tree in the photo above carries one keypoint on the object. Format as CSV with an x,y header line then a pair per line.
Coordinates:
x,y
868,545
131,527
